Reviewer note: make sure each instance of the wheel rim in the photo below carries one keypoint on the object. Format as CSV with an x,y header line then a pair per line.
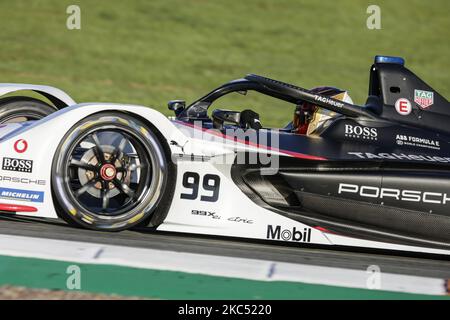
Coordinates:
x,y
110,170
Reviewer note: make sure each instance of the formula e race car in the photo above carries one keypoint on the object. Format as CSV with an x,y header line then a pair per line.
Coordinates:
x,y
373,176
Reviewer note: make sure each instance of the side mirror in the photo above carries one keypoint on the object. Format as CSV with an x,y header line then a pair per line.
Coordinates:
x,y
177,106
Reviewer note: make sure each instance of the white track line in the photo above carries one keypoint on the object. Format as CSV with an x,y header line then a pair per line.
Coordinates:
x,y
253,269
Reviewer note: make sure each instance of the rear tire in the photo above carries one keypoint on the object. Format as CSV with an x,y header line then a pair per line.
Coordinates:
x,y
109,173
21,109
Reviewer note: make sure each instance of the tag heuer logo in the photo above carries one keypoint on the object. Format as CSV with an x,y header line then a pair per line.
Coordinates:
x,y
423,98
20,165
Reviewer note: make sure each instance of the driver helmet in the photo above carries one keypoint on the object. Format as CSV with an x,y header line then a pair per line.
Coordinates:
x,y
310,118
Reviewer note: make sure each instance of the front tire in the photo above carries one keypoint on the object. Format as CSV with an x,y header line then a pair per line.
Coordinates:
x,y
110,172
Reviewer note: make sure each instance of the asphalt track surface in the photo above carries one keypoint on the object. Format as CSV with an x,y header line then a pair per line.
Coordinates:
x,y
146,238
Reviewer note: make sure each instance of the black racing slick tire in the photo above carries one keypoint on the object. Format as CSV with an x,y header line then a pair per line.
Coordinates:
x,y
21,109
110,172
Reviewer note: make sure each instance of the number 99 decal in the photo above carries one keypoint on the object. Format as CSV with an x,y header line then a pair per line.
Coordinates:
x,y
210,186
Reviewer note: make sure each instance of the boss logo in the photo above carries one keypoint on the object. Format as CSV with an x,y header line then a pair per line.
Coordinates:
x,y
361,132
20,165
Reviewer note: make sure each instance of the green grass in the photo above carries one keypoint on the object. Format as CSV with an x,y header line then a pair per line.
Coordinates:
x,y
148,52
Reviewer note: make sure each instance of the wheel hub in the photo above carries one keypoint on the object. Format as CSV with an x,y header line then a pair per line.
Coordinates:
x,y
105,171
108,172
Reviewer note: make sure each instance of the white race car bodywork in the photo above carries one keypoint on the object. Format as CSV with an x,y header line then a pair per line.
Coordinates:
x,y
47,91
232,215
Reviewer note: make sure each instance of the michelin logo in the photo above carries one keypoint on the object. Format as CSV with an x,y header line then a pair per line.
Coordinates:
x,y
21,195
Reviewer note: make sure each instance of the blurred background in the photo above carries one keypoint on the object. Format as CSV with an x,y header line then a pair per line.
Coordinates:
x,y
149,52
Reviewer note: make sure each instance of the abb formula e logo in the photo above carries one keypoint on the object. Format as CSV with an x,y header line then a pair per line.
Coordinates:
x,y
392,193
20,165
20,146
276,233
403,140
361,132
